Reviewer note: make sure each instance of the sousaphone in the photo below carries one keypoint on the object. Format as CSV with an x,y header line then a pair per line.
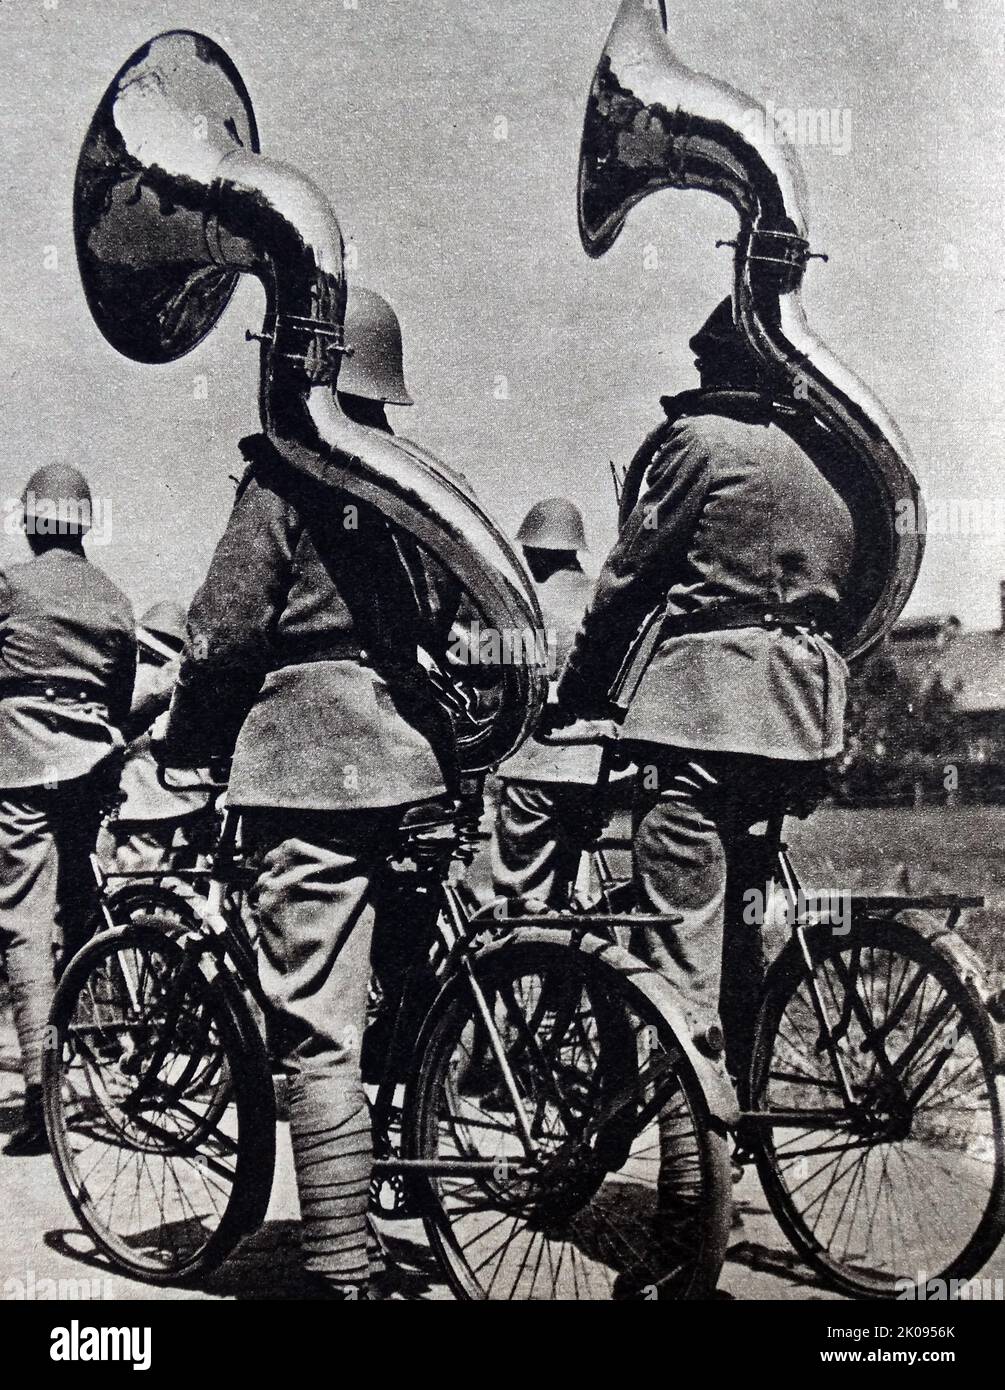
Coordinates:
x,y
652,124
173,202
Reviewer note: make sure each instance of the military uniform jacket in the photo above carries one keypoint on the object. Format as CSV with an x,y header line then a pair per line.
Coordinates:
x,y
62,618
730,511
563,598
302,645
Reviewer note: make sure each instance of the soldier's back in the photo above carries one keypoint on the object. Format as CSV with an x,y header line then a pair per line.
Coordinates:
x,y
63,620
62,616
773,526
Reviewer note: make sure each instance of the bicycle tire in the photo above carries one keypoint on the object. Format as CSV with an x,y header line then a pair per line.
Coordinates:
x,y
897,973
591,1208
106,1114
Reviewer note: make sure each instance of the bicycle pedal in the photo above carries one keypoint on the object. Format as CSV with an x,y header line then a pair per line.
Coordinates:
x,y
389,1198
740,1159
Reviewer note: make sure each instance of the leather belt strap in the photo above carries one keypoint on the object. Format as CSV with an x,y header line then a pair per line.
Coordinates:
x,y
323,649
329,649
728,617
53,688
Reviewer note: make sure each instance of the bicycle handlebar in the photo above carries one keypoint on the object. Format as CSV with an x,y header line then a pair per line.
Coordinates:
x,y
217,768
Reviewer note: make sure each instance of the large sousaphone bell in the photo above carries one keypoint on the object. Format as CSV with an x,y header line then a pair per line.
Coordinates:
x,y
172,203
652,124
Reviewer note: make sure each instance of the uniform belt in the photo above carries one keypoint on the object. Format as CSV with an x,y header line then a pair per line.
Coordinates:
x,y
408,677
728,617
325,649
53,688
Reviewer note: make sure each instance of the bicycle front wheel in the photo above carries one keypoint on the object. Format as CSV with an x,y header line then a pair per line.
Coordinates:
x,y
159,1104
904,1183
566,1143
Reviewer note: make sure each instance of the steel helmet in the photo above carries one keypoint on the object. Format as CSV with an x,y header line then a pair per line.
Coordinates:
x,y
374,368
165,620
57,501
555,524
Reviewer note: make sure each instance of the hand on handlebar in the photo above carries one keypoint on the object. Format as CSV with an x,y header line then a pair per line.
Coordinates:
x,y
577,731
171,772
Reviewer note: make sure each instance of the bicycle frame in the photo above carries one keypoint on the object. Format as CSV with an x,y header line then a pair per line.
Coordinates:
x,y
451,952
222,934
832,1031
782,874
453,929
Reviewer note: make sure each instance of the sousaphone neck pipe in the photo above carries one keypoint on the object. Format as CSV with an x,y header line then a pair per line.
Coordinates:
x,y
266,218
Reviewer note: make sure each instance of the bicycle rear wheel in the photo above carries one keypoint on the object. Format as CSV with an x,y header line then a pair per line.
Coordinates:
x,y
550,1183
906,1184
159,1104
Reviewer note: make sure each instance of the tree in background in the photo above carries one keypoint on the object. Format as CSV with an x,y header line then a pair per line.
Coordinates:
x,y
940,734
880,716
893,729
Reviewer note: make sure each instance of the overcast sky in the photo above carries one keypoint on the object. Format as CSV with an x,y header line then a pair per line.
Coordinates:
x,y
395,107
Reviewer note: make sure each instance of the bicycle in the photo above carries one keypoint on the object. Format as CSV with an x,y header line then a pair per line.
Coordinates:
x,y
873,1104
531,1070
868,1069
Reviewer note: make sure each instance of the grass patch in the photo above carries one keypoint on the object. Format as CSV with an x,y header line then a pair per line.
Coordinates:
x,y
926,850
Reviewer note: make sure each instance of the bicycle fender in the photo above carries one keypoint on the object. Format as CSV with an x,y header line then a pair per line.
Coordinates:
x,y
152,898
718,1093
963,958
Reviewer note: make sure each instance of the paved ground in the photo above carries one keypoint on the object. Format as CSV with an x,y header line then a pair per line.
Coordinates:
x,y
39,1241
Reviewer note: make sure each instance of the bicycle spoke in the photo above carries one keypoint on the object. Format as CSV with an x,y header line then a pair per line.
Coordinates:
x,y
582,1221
894,1183
150,1134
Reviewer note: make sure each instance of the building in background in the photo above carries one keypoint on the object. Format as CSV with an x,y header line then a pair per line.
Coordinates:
x,y
965,670
926,718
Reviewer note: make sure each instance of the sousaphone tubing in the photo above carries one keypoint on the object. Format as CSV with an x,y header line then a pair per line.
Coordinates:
x,y
652,123
173,202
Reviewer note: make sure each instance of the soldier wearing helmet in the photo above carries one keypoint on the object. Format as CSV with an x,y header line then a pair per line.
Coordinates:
x,y
741,547
303,654
546,791
156,817
67,662
372,378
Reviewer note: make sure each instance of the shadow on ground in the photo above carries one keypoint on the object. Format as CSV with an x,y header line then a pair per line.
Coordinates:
x,y
268,1265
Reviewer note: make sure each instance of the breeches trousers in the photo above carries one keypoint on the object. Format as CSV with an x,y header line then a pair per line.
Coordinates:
x,y
47,895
